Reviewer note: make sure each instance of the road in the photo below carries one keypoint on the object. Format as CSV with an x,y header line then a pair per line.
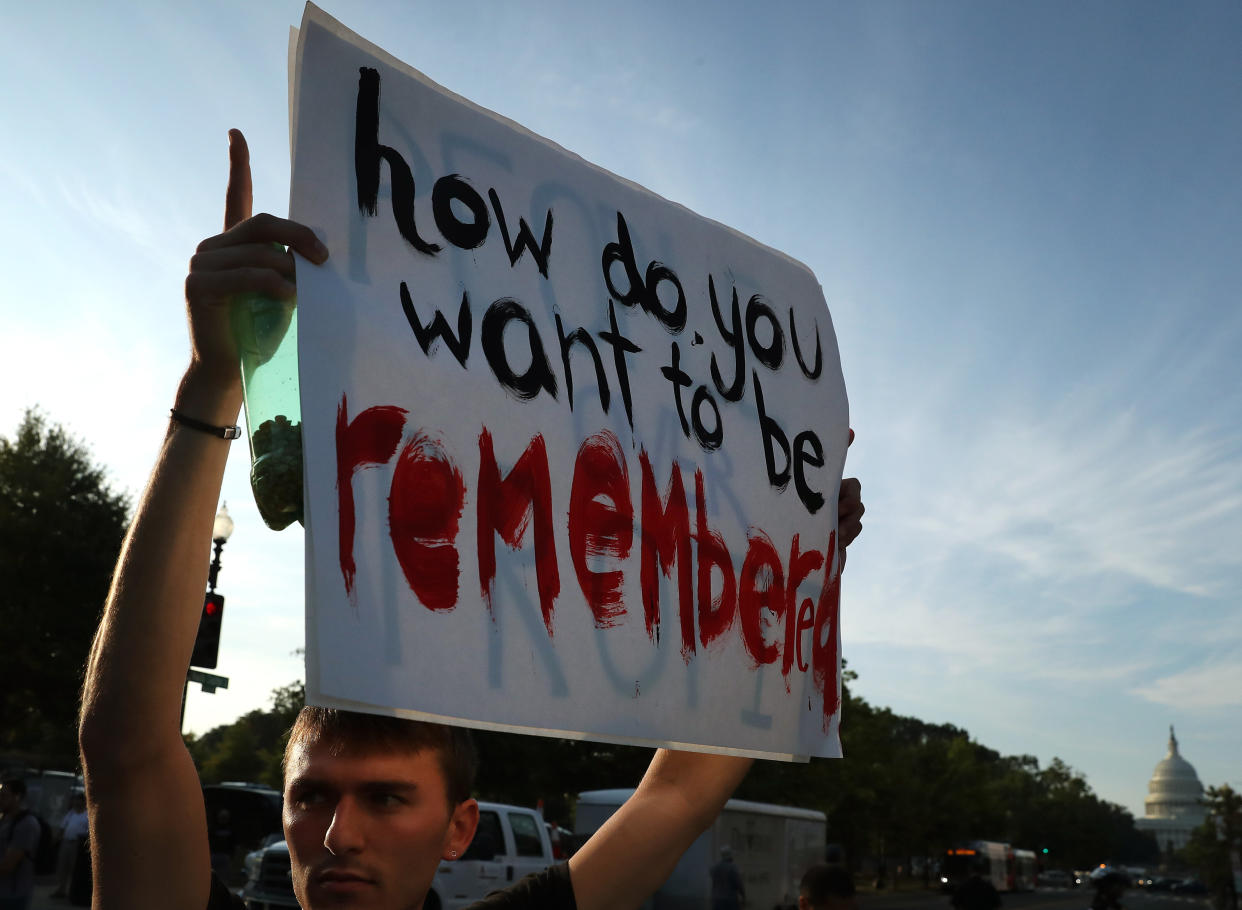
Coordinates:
x,y
1043,898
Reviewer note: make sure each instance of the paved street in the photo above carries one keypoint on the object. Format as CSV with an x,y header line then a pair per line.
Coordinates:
x,y
1044,898
1050,898
44,901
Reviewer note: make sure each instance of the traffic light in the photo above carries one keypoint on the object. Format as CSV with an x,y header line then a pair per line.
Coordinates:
x,y
207,644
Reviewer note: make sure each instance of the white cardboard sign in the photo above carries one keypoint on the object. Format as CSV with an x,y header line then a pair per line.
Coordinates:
x,y
572,452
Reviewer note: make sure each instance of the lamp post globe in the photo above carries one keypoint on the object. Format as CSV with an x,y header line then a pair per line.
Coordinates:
x,y
222,529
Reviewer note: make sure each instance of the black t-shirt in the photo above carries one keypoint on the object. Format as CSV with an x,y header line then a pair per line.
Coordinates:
x,y
546,890
221,840
976,894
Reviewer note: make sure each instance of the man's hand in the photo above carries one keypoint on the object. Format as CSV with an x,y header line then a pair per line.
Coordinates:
x,y
249,258
849,511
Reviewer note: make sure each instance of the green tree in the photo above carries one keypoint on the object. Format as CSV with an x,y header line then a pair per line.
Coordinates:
x,y
251,748
237,754
1212,843
61,527
287,701
525,770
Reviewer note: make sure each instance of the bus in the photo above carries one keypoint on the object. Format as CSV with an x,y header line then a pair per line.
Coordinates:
x,y
1007,868
1022,870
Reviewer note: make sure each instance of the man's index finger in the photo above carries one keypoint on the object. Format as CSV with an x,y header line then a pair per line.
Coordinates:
x,y
238,198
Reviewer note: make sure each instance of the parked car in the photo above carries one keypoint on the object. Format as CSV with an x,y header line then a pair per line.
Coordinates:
x,y
563,844
511,842
1190,886
1055,878
254,810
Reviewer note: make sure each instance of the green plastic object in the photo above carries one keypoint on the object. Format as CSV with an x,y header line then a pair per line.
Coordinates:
x,y
266,332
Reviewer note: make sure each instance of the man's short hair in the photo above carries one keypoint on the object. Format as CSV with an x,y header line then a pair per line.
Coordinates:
x,y
823,882
354,733
16,786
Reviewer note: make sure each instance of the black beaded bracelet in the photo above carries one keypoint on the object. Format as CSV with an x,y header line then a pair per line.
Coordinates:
x,y
233,432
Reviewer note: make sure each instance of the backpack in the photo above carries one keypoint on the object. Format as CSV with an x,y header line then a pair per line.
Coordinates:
x,y
45,852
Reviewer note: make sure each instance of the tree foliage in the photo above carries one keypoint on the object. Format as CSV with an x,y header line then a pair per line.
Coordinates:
x,y
61,528
528,770
1212,843
252,748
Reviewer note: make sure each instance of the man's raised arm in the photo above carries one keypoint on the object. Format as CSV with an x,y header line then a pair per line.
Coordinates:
x,y
142,789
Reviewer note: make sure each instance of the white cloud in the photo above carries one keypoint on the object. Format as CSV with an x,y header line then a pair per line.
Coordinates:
x,y
1083,545
975,630
23,181
1087,491
1214,685
115,214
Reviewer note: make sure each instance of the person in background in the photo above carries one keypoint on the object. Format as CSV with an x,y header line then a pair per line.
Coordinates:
x,y
19,841
73,829
1109,889
728,892
827,886
222,842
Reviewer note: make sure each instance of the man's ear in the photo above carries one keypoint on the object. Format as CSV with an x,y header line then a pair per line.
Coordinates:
x,y
462,825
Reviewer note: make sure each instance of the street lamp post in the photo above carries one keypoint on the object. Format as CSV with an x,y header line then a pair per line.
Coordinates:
x,y
221,531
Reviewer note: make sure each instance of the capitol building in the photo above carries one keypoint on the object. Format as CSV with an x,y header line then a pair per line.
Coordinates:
x,y
1173,808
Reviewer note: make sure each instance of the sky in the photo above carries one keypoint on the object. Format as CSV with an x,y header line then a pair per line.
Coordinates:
x,y
1025,218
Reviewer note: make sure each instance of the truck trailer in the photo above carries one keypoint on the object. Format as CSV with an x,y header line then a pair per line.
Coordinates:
x,y
772,847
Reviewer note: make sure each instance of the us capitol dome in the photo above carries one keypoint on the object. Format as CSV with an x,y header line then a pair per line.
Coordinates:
x,y
1174,805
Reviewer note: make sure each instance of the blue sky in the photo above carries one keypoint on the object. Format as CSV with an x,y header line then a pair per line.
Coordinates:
x,y
1025,218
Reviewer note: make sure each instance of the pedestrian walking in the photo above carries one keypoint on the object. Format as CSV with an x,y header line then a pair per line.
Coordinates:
x,y
73,829
19,841
728,892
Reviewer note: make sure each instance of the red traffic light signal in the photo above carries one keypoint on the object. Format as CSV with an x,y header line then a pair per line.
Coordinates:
x,y
207,644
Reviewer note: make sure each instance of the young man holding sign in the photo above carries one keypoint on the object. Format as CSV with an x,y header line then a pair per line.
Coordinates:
x,y
372,804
